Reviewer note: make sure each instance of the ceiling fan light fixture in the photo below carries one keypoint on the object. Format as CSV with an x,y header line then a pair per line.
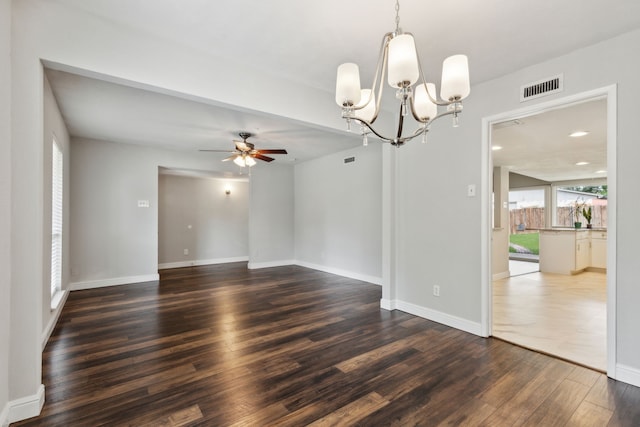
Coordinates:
x,y
239,160
249,161
400,61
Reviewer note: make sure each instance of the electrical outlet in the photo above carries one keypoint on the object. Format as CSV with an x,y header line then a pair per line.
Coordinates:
x,y
186,251
436,290
471,190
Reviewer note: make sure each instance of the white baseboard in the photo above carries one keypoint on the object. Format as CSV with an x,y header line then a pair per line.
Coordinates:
x,y
55,315
4,416
502,275
474,328
387,304
115,281
269,264
26,407
350,274
196,262
628,375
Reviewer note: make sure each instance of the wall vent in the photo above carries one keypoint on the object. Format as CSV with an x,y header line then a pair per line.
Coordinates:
x,y
541,88
349,159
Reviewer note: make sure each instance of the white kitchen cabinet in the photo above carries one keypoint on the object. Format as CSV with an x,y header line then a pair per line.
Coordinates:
x,y
570,251
557,251
583,250
599,249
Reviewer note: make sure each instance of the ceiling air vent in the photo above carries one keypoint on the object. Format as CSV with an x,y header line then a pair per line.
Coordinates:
x,y
349,159
541,88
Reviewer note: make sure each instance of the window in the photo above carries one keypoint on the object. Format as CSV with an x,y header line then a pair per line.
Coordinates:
x,y
592,197
56,219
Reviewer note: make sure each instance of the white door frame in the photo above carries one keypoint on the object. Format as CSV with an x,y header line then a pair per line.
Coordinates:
x,y
608,93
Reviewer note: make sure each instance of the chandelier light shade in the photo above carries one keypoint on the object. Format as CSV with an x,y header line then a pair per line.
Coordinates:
x,y
367,105
348,85
400,61
403,61
455,78
423,107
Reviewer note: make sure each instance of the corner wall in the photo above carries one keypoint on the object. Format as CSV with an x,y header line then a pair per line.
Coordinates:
x,y
5,205
447,252
338,213
195,214
271,218
113,241
54,126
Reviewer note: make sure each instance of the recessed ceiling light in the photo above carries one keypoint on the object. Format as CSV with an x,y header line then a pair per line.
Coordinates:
x,y
578,133
582,163
601,171
496,147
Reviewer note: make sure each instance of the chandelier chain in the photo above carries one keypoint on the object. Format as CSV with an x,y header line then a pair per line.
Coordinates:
x,y
397,16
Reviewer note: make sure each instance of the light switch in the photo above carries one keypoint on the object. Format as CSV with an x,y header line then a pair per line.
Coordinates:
x,y
471,190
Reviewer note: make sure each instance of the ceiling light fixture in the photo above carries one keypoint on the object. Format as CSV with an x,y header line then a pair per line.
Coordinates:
x,y
582,163
400,62
244,160
578,133
496,147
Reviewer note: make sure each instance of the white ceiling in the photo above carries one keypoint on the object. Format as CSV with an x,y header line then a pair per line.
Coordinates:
x,y
305,42
539,146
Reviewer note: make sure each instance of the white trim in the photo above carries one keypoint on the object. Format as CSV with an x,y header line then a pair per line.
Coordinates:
x,y
440,317
180,264
4,416
387,304
350,274
502,275
608,92
26,407
62,299
612,221
269,264
115,281
628,375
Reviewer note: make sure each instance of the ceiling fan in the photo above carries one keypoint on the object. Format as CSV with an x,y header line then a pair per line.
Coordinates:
x,y
245,152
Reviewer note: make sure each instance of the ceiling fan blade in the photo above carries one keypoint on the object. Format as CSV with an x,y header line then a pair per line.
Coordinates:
x,y
273,151
261,157
218,151
232,157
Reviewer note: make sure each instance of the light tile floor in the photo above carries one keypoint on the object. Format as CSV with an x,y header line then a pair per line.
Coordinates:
x,y
564,316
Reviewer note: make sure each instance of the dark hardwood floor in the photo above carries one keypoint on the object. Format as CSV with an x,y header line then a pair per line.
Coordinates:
x,y
225,346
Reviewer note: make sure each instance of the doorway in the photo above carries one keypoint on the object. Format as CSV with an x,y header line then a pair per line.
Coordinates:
x,y
605,96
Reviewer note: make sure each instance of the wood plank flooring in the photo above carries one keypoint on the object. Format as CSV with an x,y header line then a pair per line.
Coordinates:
x,y
562,315
288,346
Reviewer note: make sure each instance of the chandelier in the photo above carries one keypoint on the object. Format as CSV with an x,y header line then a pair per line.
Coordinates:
x,y
400,62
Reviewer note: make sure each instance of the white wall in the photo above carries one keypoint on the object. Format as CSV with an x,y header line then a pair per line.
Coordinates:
x,y
271,221
43,30
338,213
194,213
438,227
5,197
114,241
447,251
53,126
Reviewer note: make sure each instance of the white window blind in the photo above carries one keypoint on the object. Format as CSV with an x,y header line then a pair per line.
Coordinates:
x,y
56,219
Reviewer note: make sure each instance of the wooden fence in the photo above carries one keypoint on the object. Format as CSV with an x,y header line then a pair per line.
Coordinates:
x,y
524,219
